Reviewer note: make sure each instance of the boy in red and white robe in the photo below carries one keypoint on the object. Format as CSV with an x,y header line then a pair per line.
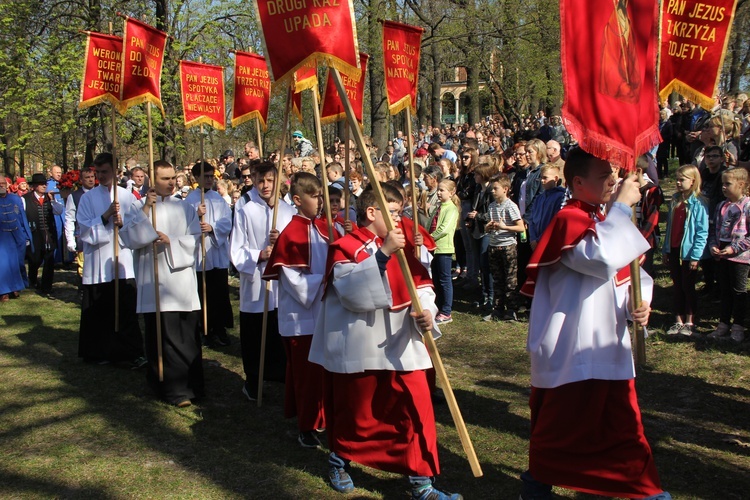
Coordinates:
x,y
377,396
586,429
298,261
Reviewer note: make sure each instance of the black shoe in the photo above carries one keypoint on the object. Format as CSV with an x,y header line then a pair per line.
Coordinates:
x,y
212,341
308,439
223,337
138,363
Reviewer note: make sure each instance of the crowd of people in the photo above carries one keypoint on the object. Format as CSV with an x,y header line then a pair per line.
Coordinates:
x,y
340,327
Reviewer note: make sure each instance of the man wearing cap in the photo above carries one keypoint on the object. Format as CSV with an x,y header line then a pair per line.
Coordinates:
x,y
230,166
41,208
302,145
14,235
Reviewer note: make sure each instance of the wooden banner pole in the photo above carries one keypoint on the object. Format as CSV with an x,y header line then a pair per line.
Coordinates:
x,y
639,337
346,192
203,240
115,199
159,347
267,293
437,362
412,181
258,138
322,154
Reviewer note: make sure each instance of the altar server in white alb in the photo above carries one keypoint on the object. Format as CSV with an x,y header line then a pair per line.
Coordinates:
x,y
176,236
216,226
96,215
253,238
586,428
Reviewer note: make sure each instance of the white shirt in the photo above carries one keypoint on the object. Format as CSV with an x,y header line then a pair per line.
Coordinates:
x,y
252,225
578,326
178,289
219,216
98,239
70,219
356,331
300,291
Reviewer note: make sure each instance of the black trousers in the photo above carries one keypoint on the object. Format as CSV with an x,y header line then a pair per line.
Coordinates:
x,y
274,368
43,256
220,314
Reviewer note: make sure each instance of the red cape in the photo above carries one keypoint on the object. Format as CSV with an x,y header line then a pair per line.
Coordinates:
x,y
407,226
292,249
569,226
351,248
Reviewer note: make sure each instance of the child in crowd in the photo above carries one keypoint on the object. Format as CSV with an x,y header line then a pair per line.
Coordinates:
x,y
298,261
442,229
370,343
341,224
549,202
582,371
647,211
730,245
713,157
505,222
684,244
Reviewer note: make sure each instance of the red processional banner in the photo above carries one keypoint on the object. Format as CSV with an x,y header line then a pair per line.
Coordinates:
x,y
299,32
401,44
252,89
202,89
142,61
694,37
305,78
608,53
102,68
332,107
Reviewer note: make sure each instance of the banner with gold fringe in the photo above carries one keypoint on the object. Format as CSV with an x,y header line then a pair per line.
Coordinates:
x,y
252,89
142,61
202,90
296,33
693,42
332,108
102,71
401,47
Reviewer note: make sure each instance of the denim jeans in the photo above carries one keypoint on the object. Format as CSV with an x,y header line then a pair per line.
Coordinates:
x,y
441,277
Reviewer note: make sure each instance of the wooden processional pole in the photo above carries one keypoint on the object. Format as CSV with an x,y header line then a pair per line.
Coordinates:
x,y
159,347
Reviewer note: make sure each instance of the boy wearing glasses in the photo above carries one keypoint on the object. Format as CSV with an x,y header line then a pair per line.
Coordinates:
x,y
369,341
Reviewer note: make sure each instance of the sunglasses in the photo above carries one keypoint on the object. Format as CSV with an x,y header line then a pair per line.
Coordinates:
x,y
246,176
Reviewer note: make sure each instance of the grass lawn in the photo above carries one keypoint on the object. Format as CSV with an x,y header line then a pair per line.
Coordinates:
x,y
73,430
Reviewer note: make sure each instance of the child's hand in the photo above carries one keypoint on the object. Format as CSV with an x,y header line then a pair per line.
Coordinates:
x,y
419,239
394,241
348,228
727,251
629,191
273,236
641,314
424,320
715,251
693,265
471,215
265,254
201,210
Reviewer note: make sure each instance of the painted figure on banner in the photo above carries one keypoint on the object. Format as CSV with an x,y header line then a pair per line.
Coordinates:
x,y
620,75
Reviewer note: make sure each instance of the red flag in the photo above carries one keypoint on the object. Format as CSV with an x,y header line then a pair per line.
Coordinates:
x,y
102,68
252,89
296,32
333,109
694,38
142,60
305,78
202,87
401,44
608,54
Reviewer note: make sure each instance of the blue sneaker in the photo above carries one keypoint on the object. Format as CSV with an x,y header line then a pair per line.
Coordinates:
x,y
664,495
432,493
340,480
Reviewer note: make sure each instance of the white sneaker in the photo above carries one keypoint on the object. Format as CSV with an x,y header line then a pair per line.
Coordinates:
x,y
722,330
738,333
675,329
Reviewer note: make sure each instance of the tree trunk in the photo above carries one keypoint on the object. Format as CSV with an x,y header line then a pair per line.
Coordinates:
x,y
378,100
